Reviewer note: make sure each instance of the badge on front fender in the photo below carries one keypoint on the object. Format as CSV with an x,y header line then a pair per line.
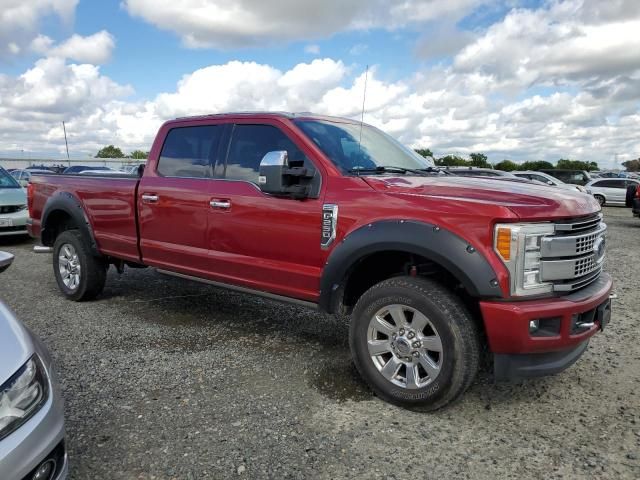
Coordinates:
x,y
329,224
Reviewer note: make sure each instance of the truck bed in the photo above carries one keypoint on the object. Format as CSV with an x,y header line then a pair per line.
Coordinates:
x,y
110,204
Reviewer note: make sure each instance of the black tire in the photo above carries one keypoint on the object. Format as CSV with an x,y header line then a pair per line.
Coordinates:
x,y
458,332
600,199
93,270
631,194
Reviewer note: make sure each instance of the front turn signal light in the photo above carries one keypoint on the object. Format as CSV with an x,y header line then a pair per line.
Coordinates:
x,y
503,243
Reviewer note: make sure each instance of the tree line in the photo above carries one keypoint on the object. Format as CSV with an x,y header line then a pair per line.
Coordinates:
x,y
480,160
111,151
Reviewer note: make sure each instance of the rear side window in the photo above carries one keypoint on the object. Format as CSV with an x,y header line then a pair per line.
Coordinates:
x,y
610,184
189,151
250,143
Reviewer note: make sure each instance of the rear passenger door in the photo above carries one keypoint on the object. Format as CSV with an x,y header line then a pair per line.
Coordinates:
x,y
173,200
257,240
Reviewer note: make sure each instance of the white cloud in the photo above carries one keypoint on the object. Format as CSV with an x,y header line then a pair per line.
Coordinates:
x,y
312,48
20,19
95,49
224,24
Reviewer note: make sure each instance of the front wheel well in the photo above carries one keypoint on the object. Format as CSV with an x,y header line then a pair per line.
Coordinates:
x,y
379,266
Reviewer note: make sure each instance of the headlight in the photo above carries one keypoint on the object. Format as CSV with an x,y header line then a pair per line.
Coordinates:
x,y
22,396
580,188
518,245
22,207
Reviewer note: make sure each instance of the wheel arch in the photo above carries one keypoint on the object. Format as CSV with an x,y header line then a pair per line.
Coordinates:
x,y
450,255
64,211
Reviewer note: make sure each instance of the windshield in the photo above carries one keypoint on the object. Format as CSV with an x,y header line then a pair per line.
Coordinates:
x,y
341,143
6,180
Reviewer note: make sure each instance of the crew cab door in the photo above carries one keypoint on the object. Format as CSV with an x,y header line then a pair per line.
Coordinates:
x,y
173,200
257,240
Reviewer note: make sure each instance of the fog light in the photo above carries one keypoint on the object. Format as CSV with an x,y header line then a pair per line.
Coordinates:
x,y
45,470
534,325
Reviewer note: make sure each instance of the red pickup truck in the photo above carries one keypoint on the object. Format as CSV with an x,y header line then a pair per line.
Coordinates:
x,y
433,269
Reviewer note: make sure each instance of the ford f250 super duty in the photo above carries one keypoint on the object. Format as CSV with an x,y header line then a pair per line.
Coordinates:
x,y
434,270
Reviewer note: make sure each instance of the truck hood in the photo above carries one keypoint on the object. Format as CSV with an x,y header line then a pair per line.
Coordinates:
x,y
12,196
527,200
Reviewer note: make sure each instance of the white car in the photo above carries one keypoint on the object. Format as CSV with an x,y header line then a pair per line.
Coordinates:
x,y
611,191
13,206
548,180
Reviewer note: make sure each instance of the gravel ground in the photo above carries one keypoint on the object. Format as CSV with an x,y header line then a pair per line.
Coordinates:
x,y
167,379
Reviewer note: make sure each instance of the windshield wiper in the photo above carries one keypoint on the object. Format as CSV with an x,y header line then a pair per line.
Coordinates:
x,y
394,169
436,170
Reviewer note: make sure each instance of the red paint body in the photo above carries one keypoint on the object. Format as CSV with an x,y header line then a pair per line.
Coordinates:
x,y
273,244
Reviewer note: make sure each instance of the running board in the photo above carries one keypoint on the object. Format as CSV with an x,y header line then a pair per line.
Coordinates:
x,y
236,288
42,249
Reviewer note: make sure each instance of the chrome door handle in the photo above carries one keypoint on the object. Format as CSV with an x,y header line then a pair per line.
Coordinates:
x,y
220,204
149,198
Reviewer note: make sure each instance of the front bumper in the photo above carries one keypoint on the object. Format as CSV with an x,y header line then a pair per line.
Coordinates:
x,y
519,353
17,223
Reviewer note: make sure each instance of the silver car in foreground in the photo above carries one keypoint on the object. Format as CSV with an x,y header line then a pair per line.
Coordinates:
x,y
31,409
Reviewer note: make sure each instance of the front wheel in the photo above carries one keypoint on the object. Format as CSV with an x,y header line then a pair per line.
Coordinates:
x,y
79,274
600,199
414,343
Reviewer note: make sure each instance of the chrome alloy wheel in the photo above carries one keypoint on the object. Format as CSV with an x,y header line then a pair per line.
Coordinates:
x,y
69,266
404,346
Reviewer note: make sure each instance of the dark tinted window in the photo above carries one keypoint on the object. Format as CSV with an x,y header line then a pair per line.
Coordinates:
x,y
189,151
610,184
250,143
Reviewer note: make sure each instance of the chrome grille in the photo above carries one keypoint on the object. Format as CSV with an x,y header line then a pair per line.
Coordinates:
x,y
572,258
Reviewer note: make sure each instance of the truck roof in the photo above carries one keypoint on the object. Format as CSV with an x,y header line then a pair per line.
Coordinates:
x,y
266,113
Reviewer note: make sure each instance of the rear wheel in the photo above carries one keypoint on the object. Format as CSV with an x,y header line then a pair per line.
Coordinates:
x,y
600,199
79,274
414,343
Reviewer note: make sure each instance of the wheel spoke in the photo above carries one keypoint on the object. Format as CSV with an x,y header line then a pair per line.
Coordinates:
x,y
397,313
412,376
391,368
378,347
67,251
63,261
381,325
431,368
419,321
432,343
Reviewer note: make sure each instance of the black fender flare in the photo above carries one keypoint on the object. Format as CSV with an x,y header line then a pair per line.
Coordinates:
x,y
71,205
441,246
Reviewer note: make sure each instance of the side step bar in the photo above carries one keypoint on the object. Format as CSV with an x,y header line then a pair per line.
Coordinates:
x,y
236,288
42,249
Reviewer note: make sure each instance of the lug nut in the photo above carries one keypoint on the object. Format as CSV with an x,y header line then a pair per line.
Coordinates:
x,y
416,344
416,354
394,336
401,332
410,335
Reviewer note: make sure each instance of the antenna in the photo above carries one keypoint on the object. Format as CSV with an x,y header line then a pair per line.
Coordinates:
x,y
66,143
364,97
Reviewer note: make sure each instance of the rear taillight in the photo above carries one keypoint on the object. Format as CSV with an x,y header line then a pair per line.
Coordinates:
x,y
30,199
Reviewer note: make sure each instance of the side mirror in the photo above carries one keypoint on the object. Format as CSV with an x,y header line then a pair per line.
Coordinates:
x,y
23,183
6,259
549,182
277,177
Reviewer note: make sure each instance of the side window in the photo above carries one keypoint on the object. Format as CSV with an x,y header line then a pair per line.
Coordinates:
x,y
189,151
620,184
250,143
540,178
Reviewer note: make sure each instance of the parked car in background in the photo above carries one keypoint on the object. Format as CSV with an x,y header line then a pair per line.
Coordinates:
x,y
548,180
478,172
132,169
575,177
31,407
611,191
82,168
23,176
13,206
